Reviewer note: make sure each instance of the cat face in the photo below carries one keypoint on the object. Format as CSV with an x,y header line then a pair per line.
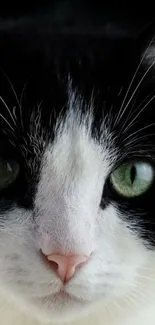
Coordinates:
x,y
76,171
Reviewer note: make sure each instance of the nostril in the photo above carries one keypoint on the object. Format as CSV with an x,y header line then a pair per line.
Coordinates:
x,y
53,265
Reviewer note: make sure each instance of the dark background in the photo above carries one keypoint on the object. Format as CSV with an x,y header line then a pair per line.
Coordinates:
x,y
118,17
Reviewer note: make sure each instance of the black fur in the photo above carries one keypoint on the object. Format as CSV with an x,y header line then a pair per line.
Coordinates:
x,y
99,50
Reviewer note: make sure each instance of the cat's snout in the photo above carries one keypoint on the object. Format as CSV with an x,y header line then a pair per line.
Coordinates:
x,y
66,266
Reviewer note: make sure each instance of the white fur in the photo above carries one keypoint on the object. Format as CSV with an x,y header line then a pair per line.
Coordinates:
x,y
117,285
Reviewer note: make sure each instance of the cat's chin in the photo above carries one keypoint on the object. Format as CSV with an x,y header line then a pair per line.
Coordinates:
x,y
60,307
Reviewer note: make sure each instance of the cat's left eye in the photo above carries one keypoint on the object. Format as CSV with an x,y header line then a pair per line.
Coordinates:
x,y
132,179
9,171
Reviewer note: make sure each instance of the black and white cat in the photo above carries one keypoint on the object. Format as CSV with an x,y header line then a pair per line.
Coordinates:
x,y
77,174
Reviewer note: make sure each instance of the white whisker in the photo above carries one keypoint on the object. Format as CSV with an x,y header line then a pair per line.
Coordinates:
x,y
20,104
134,92
141,296
13,144
118,306
7,122
131,83
4,103
151,99
131,113
14,112
128,116
146,278
139,130
130,301
144,267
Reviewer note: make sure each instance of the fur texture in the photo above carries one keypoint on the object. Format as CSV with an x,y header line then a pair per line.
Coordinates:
x,y
74,107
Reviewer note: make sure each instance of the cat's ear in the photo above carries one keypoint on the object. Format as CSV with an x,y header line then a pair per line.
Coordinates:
x,y
144,59
146,46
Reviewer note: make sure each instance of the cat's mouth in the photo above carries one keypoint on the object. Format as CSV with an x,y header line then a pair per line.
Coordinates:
x,y
60,295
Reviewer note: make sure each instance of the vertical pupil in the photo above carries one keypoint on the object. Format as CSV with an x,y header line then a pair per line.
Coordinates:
x,y
133,173
9,168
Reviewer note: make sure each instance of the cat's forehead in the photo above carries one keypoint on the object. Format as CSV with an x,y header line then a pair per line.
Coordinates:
x,y
71,143
74,147
35,99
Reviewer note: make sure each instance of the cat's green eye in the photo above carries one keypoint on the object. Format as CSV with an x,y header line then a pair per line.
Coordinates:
x,y
132,178
9,171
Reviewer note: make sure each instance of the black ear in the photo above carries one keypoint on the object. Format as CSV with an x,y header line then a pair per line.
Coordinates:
x,y
146,44
144,59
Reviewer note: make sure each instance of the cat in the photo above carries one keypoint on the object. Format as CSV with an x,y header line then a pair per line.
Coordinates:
x,y
77,174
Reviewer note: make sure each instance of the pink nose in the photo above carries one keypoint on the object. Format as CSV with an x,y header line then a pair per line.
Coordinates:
x,y
66,265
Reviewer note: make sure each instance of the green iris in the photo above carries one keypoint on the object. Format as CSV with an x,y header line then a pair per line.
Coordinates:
x,y
132,179
8,173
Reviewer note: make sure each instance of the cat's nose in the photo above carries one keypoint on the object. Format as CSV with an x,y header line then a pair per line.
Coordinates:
x,y
65,266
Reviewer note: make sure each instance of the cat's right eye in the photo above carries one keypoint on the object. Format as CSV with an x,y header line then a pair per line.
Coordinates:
x,y
9,171
133,178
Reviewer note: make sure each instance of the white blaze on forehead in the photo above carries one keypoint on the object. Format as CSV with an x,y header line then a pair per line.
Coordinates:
x,y
73,173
